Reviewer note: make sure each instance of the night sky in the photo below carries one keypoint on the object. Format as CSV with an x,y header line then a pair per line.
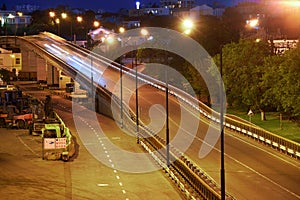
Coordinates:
x,y
109,5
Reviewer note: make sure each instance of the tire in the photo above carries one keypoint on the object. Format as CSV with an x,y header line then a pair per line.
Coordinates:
x,y
30,128
21,124
2,122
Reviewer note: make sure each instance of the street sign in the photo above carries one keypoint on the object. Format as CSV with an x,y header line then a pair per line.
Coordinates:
x,y
250,113
49,143
60,143
55,143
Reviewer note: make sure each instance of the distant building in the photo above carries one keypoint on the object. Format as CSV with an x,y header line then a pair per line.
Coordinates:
x,y
131,24
149,12
218,11
26,8
204,9
186,4
198,11
10,60
171,4
14,19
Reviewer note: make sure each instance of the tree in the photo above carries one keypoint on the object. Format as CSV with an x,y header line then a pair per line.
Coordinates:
x,y
281,79
243,70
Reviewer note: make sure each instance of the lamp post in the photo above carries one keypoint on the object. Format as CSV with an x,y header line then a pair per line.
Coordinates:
x,y
136,102
144,33
65,16
167,119
79,19
222,170
121,30
187,26
121,93
56,21
92,78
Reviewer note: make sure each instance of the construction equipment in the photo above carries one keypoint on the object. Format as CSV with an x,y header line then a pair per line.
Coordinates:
x,y
57,140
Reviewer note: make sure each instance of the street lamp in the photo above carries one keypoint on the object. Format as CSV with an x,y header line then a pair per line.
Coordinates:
x,y
96,24
57,21
187,26
121,29
222,170
64,15
252,23
52,14
79,19
167,116
92,78
136,101
144,32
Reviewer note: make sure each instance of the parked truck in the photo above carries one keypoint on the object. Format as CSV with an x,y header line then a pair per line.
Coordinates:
x,y
14,108
11,117
57,141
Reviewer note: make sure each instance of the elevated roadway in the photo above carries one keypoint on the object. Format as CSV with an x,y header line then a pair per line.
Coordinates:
x,y
253,170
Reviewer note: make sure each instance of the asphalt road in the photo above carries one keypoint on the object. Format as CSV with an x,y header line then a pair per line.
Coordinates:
x,y
24,175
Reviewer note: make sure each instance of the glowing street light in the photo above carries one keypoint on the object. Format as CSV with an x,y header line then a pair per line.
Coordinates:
x,y
52,14
253,23
79,19
121,29
64,15
96,24
187,26
144,32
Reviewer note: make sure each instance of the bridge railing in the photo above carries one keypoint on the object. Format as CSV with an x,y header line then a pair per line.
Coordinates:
x,y
280,143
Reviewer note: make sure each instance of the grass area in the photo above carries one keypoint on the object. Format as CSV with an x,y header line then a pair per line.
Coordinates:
x,y
288,129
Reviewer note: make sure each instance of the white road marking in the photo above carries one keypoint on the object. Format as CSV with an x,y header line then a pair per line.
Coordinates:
x,y
102,184
30,149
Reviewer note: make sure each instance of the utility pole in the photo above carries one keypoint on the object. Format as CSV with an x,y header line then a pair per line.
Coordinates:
x,y
222,128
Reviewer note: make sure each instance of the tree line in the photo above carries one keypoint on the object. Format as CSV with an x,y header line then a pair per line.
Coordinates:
x,y
256,78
